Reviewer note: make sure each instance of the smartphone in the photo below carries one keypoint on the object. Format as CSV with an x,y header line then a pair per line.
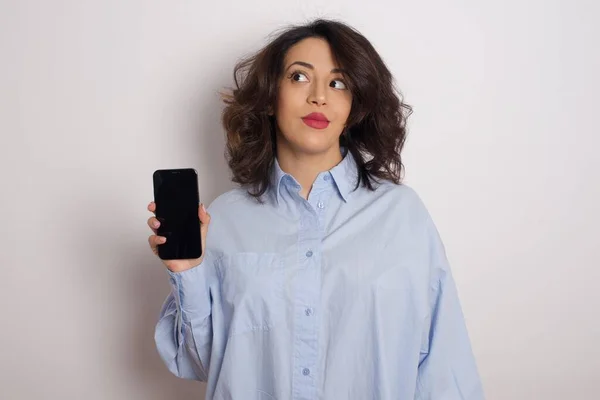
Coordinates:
x,y
177,200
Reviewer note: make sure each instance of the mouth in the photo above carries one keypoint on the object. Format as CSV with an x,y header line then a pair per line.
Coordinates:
x,y
316,120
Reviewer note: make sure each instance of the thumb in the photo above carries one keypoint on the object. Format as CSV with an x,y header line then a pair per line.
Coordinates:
x,y
203,215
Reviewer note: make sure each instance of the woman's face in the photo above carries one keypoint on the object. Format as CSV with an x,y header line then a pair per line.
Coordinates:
x,y
313,102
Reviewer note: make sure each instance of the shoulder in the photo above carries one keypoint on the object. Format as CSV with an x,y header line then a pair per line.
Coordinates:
x,y
402,197
228,212
224,200
230,201
237,204
408,211
401,206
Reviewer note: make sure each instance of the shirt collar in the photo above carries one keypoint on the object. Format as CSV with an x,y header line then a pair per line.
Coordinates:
x,y
344,176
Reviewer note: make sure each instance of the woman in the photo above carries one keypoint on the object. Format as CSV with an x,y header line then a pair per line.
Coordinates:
x,y
323,276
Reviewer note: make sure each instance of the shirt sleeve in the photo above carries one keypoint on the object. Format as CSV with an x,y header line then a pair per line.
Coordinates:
x,y
447,368
183,334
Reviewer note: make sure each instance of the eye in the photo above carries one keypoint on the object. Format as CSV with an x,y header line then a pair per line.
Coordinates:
x,y
338,84
298,77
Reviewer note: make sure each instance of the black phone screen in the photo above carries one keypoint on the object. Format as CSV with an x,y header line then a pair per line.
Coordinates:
x,y
177,200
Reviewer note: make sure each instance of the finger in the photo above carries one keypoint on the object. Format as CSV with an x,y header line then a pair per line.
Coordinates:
x,y
152,207
153,223
155,240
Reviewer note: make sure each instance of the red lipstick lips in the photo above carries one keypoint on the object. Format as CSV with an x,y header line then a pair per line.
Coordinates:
x,y
316,120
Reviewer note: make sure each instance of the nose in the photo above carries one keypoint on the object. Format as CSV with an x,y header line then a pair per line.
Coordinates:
x,y
317,95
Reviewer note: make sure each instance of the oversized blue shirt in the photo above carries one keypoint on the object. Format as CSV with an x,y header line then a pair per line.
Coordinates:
x,y
346,295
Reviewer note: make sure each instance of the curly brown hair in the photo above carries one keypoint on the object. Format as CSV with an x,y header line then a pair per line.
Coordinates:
x,y
376,128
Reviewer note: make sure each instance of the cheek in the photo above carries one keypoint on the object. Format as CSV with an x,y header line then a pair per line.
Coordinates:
x,y
282,107
343,109
289,104
283,103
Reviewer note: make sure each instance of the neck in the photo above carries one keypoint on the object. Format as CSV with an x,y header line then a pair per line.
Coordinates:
x,y
305,167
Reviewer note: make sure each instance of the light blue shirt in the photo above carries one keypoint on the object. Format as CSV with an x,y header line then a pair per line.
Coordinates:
x,y
348,295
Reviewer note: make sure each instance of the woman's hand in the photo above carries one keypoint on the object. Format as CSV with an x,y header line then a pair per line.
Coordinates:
x,y
155,240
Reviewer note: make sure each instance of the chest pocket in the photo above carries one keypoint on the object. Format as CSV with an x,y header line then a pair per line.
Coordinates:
x,y
252,286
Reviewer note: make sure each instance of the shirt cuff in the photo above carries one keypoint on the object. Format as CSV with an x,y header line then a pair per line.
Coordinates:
x,y
191,291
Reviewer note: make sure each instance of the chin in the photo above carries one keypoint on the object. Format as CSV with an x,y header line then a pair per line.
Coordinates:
x,y
314,145
311,141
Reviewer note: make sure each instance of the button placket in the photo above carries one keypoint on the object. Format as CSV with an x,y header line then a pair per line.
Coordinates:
x,y
307,293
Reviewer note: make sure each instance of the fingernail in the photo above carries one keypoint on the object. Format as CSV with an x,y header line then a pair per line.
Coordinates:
x,y
203,208
155,224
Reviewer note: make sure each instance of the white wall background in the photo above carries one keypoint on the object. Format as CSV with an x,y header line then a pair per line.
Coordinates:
x,y
96,95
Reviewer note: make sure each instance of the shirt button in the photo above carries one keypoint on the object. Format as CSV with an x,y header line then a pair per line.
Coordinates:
x,y
320,204
308,312
305,371
309,253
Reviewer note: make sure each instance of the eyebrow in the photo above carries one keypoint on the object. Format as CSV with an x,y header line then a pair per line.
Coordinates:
x,y
310,66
